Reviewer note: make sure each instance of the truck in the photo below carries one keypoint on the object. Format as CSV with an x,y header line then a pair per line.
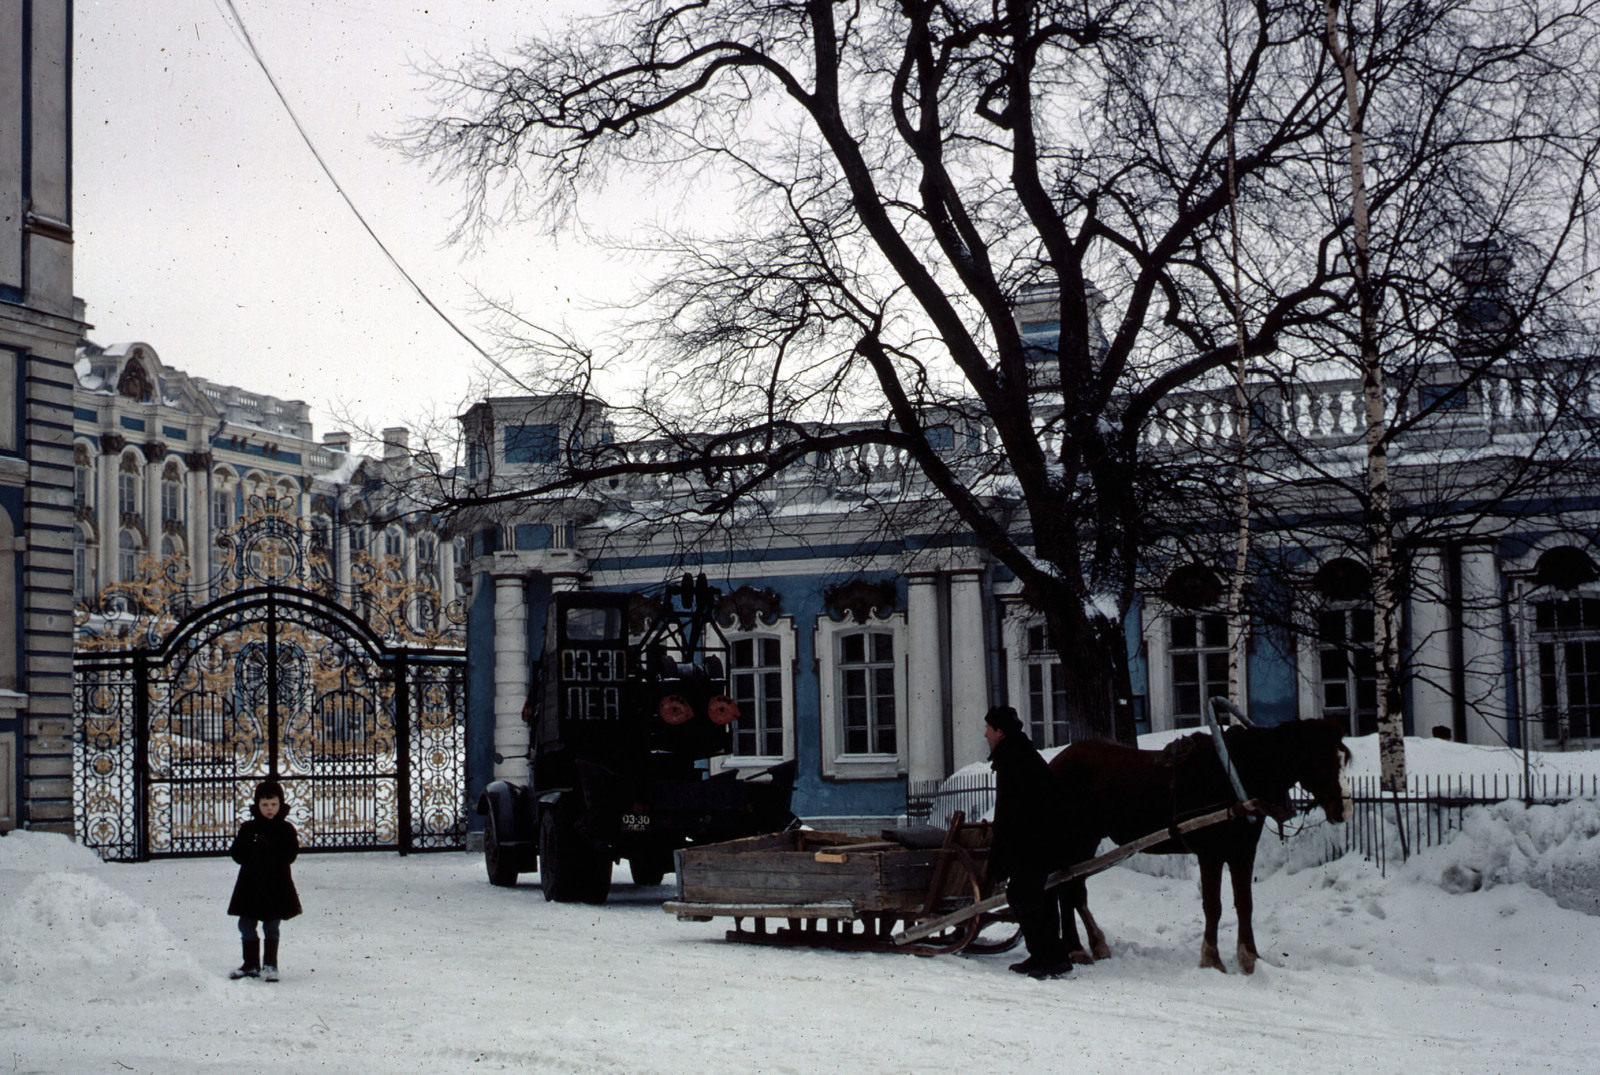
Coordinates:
x,y
621,741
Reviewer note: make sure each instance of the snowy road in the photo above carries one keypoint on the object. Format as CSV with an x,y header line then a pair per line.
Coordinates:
x,y
417,964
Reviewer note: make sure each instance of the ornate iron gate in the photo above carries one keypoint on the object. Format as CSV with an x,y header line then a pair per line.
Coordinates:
x,y
367,739
367,736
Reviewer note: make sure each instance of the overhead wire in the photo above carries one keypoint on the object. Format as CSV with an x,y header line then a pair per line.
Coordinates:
x,y
243,34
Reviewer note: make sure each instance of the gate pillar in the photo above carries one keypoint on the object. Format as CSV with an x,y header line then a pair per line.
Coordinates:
x,y
511,663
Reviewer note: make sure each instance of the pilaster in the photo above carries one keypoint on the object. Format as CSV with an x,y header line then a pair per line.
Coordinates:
x,y
969,666
926,720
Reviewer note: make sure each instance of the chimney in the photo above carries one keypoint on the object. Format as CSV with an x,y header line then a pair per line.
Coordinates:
x,y
396,444
337,442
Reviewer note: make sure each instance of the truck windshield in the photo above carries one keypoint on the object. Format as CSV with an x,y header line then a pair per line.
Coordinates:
x,y
594,624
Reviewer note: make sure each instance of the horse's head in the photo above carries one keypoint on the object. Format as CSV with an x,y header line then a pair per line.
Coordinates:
x,y
1320,764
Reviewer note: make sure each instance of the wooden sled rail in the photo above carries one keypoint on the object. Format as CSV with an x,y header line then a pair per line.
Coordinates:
x,y
1081,869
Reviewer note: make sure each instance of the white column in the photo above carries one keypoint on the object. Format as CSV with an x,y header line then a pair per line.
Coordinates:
x,y
197,525
447,570
1432,674
108,516
1482,653
925,720
510,677
408,553
152,505
969,667
341,544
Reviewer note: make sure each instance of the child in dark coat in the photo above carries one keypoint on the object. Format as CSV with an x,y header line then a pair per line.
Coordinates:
x,y
264,893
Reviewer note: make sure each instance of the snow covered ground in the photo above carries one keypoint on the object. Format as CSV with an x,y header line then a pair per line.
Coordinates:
x,y
418,964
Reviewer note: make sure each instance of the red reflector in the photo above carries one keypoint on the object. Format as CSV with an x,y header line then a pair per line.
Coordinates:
x,y
723,710
675,709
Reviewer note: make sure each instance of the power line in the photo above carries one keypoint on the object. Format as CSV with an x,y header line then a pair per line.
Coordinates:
x,y
305,136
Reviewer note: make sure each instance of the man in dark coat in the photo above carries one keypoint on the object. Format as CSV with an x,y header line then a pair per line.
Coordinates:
x,y
264,892
1026,841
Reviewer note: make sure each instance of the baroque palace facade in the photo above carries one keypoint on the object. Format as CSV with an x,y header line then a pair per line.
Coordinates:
x,y
868,637
164,463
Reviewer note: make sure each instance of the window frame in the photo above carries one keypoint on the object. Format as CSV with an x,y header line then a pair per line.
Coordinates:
x,y
783,631
1313,670
1560,639
837,763
1202,651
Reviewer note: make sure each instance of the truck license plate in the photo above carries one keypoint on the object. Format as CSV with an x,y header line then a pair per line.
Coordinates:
x,y
636,822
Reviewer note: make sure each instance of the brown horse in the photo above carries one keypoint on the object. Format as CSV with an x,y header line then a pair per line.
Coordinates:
x,y
1117,791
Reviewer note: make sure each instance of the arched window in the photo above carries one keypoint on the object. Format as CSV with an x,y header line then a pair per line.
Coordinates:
x,y
172,494
394,542
169,547
222,500
127,556
128,485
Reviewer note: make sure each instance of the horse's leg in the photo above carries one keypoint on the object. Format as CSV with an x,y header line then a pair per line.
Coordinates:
x,y
1239,872
1098,947
1071,895
1211,904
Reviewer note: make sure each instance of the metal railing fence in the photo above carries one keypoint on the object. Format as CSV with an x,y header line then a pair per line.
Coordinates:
x,y
1382,828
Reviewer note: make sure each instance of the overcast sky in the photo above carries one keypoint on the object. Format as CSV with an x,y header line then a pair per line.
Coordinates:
x,y
205,228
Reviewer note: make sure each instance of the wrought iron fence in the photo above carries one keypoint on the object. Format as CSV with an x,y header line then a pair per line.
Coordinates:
x,y
1385,828
1382,828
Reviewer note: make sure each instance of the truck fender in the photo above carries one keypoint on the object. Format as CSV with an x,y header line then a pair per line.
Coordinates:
x,y
503,798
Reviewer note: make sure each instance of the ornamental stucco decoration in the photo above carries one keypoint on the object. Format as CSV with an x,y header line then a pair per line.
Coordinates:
x,y
747,606
860,599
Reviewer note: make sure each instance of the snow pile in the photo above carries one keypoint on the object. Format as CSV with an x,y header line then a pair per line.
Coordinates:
x,y
39,852
1555,849
70,933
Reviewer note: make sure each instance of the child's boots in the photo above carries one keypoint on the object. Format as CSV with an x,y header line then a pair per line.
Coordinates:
x,y
269,966
251,967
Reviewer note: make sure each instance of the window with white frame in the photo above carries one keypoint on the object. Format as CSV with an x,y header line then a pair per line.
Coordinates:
x,y
1046,712
756,678
171,498
867,692
1346,668
1566,637
83,573
127,492
394,543
82,479
1197,652
863,698
221,509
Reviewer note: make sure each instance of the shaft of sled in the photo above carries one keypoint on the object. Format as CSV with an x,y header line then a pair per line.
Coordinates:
x,y
1081,869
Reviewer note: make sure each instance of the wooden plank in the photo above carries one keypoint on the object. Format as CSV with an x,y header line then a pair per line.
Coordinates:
x,y
867,898
835,909
1081,869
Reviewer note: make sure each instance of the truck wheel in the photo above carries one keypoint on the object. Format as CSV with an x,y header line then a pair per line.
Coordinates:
x,y
647,870
556,853
569,869
501,866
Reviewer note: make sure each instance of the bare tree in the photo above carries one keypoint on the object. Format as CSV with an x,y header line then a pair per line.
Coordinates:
x,y
891,177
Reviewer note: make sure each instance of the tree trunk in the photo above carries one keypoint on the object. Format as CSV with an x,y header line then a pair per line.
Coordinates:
x,y
1380,521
